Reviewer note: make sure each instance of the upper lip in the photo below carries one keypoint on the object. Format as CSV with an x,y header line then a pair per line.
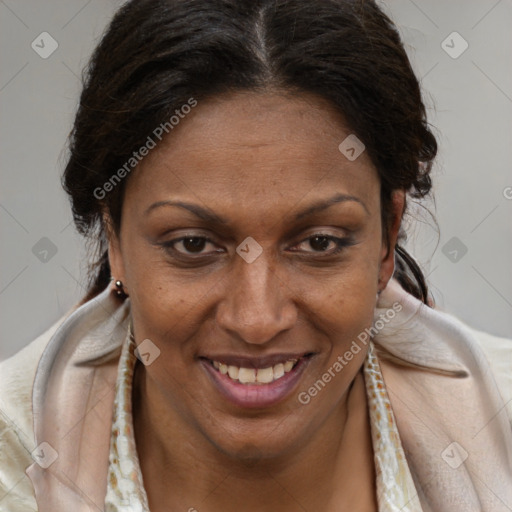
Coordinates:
x,y
255,362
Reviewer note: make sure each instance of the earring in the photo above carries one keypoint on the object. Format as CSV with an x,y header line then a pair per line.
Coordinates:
x,y
120,290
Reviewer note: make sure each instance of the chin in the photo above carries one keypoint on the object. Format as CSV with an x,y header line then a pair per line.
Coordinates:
x,y
255,439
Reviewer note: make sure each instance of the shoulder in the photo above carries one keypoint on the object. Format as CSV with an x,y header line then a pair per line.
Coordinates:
x,y
498,352
16,428
16,379
428,337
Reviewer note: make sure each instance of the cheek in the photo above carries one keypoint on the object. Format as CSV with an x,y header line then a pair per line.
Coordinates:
x,y
345,315
168,311
342,307
160,297
345,296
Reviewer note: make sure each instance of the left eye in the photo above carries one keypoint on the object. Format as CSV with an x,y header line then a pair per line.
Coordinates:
x,y
321,242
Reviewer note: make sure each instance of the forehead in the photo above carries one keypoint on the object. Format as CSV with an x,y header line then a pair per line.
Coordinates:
x,y
255,149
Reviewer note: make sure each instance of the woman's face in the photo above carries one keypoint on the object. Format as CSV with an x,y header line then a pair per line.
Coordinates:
x,y
271,264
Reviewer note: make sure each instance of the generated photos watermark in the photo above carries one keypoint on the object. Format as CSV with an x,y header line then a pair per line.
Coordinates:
x,y
158,133
344,359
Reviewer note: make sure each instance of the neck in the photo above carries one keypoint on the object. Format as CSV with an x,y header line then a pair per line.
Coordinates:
x,y
184,471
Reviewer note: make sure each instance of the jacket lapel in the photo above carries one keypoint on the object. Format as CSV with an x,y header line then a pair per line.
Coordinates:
x,y
73,398
454,429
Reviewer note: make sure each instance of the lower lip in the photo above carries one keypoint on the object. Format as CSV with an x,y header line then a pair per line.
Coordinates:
x,y
256,396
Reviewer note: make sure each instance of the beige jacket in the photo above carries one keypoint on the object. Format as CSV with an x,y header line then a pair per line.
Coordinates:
x,y
455,422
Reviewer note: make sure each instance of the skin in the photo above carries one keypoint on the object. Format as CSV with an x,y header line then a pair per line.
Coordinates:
x,y
256,159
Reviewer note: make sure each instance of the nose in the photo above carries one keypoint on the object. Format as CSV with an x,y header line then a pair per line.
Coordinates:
x,y
258,303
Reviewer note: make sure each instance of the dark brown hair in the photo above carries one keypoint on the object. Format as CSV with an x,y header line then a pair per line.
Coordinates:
x,y
157,54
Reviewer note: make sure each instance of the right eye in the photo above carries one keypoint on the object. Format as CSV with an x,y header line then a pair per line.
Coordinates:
x,y
191,244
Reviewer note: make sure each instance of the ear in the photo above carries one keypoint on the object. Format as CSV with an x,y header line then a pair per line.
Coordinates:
x,y
387,262
115,256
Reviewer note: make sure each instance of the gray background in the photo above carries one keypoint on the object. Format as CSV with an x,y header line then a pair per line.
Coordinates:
x,y
469,100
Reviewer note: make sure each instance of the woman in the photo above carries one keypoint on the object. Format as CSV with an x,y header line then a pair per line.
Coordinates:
x,y
254,336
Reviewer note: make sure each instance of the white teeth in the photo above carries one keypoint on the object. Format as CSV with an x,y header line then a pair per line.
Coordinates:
x,y
278,370
247,375
233,372
265,375
253,376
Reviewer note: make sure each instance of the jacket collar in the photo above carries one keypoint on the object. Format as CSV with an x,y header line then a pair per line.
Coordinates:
x,y
72,404
418,334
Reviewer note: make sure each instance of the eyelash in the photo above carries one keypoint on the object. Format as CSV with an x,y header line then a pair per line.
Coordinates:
x,y
341,244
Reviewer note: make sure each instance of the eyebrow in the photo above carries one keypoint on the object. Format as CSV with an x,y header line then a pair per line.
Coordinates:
x,y
208,215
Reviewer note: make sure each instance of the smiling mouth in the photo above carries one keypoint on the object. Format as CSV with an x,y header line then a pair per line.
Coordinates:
x,y
256,383
255,375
